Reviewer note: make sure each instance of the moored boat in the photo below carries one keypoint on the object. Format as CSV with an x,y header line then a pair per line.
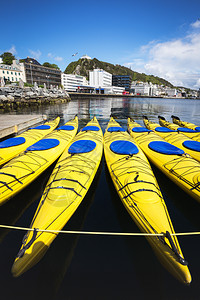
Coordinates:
x,y
172,161
189,125
139,192
175,138
192,134
65,190
27,166
11,147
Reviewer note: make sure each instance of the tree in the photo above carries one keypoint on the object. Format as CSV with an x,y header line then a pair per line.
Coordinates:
x,y
7,58
48,65
55,66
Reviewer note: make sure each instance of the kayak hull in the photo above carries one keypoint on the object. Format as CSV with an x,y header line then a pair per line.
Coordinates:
x,y
182,169
195,135
65,190
26,167
29,137
175,138
139,192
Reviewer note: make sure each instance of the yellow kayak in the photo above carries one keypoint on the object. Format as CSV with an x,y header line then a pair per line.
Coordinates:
x,y
177,121
172,161
175,138
23,169
192,134
10,148
139,192
65,190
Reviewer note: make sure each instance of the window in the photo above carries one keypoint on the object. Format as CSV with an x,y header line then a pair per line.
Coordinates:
x,y
18,73
15,79
15,73
12,79
3,72
7,72
11,73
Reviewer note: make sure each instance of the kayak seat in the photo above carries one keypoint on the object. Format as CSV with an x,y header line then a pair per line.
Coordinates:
x,y
140,129
164,129
43,144
91,128
42,127
165,148
82,146
115,129
192,145
184,129
12,142
197,128
66,127
123,147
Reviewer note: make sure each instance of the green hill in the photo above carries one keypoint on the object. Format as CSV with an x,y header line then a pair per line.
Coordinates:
x,y
83,66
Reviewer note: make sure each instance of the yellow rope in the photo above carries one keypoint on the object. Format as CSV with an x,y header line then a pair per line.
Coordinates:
x,y
99,232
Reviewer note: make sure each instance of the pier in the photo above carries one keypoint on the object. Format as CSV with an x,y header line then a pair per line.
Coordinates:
x,y
13,124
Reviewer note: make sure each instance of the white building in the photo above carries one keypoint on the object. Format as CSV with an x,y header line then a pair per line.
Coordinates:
x,y
142,88
71,82
100,78
11,73
85,56
20,66
170,92
114,90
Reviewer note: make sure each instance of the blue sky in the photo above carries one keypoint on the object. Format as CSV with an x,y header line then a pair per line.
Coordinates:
x,y
154,37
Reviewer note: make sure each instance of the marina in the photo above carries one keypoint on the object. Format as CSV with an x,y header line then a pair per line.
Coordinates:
x,y
103,267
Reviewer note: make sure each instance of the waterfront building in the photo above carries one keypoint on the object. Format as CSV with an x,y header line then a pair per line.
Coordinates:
x,y
85,56
142,88
171,92
122,81
100,78
72,83
113,90
11,73
35,72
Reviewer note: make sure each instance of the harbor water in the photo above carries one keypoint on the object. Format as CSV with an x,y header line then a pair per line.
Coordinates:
x,y
89,267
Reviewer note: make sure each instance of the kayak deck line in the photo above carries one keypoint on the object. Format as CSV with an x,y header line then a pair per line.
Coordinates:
x,y
99,232
138,165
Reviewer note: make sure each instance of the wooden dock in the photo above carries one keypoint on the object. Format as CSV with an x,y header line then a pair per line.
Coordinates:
x,y
13,124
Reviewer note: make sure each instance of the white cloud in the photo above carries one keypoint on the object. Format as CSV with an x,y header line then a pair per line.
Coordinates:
x,y
53,57
13,50
196,24
176,60
35,54
58,58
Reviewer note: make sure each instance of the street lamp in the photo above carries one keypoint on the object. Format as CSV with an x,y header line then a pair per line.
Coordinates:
x,y
31,71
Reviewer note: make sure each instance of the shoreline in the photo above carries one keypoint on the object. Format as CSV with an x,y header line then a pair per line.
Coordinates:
x,y
23,102
74,95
